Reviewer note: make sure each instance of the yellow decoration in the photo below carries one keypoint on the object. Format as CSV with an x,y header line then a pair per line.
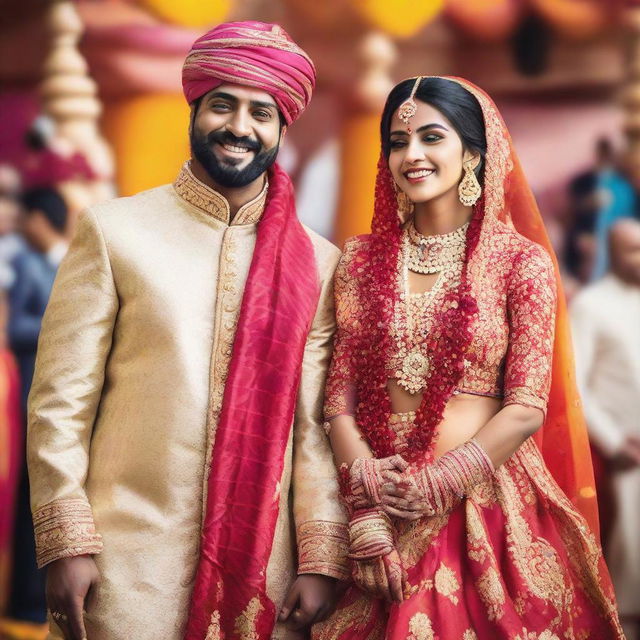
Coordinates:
x,y
360,149
400,18
149,135
189,13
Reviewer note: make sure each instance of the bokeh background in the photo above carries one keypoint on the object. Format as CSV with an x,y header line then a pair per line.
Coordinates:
x,y
91,106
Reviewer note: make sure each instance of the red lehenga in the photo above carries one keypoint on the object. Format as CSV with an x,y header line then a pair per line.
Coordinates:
x,y
518,558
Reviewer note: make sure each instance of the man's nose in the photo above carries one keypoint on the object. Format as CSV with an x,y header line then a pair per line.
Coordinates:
x,y
238,125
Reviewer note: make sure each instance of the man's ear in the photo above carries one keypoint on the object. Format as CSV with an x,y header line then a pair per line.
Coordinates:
x,y
283,132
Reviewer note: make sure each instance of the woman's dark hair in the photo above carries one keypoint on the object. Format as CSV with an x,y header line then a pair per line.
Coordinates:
x,y
458,105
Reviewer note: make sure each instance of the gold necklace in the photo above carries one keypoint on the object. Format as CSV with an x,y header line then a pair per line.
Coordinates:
x,y
434,254
444,255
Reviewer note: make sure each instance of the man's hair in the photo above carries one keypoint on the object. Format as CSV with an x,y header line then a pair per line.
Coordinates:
x,y
50,203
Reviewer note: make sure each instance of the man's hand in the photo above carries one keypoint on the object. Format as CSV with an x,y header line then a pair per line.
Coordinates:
x,y
629,455
69,581
310,599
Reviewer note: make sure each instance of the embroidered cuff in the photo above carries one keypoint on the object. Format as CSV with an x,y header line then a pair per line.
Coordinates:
x,y
65,528
524,396
323,548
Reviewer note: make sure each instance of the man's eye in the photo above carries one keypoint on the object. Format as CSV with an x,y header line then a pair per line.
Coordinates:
x,y
262,115
220,106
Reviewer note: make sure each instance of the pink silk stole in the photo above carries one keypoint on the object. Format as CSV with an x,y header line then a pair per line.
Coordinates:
x,y
229,599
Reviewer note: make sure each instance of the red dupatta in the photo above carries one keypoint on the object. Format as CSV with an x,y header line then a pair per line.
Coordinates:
x,y
229,599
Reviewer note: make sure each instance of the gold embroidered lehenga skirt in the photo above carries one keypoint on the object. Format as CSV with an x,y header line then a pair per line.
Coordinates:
x,y
514,560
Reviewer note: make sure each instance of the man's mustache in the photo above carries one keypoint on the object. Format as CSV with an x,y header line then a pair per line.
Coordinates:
x,y
225,137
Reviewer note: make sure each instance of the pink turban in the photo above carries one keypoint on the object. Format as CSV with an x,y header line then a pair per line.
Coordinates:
x,y
253,54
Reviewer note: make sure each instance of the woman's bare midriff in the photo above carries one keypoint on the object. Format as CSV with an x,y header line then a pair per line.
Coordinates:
x,y
464,415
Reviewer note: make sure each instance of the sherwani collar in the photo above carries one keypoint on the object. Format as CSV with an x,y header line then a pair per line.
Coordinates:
x,y
198,194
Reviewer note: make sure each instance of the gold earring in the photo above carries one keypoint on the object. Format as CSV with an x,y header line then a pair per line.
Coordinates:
x,y
469,189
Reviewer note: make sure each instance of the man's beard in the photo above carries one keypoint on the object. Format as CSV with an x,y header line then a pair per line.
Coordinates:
x,y
222,172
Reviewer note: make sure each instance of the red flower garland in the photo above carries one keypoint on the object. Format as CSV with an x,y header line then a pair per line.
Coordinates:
x,y
375,268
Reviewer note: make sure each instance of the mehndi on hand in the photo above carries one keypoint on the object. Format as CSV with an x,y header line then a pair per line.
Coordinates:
x,y
361,482
377,569
437,488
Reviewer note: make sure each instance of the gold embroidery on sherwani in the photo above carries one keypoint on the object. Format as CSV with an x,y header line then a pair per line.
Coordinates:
x,y
420,627
229,298
469,634
323,548
245,624
65,528
205,198
226,320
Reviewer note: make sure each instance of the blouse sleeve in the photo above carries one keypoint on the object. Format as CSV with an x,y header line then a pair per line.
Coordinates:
x,y
531,309
340,394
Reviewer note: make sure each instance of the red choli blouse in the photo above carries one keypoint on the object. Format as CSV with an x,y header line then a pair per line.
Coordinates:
x,y
510,355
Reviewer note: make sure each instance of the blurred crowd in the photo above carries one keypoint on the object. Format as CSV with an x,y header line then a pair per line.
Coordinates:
x,y
35,228
600,256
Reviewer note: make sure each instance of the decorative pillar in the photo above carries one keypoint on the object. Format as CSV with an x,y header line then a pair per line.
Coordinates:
x,y
69,97
360,138
631,92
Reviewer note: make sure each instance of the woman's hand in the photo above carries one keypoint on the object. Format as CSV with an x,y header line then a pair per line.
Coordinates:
x,y
377,569
381,577
405,497
437,488
366,476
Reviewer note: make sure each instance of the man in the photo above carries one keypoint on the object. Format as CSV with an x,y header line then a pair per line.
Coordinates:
x,y
34,267
187,325
606,321
598,197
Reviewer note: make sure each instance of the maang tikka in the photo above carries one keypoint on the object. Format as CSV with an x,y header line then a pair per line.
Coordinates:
x,y
408,108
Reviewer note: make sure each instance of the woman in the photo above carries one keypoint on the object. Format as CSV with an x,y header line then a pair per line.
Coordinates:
x,y
442,373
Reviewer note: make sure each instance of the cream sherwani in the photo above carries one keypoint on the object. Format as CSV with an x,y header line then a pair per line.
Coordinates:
x,y
132,361
606,329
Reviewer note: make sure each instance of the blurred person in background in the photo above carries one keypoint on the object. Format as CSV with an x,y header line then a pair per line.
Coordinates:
x,y
10,241
606,331
50,159
43,224
441,375
11,427
598,197
175,440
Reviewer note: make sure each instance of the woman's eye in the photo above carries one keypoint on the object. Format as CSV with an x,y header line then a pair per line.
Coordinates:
x,y
397,144
432,137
